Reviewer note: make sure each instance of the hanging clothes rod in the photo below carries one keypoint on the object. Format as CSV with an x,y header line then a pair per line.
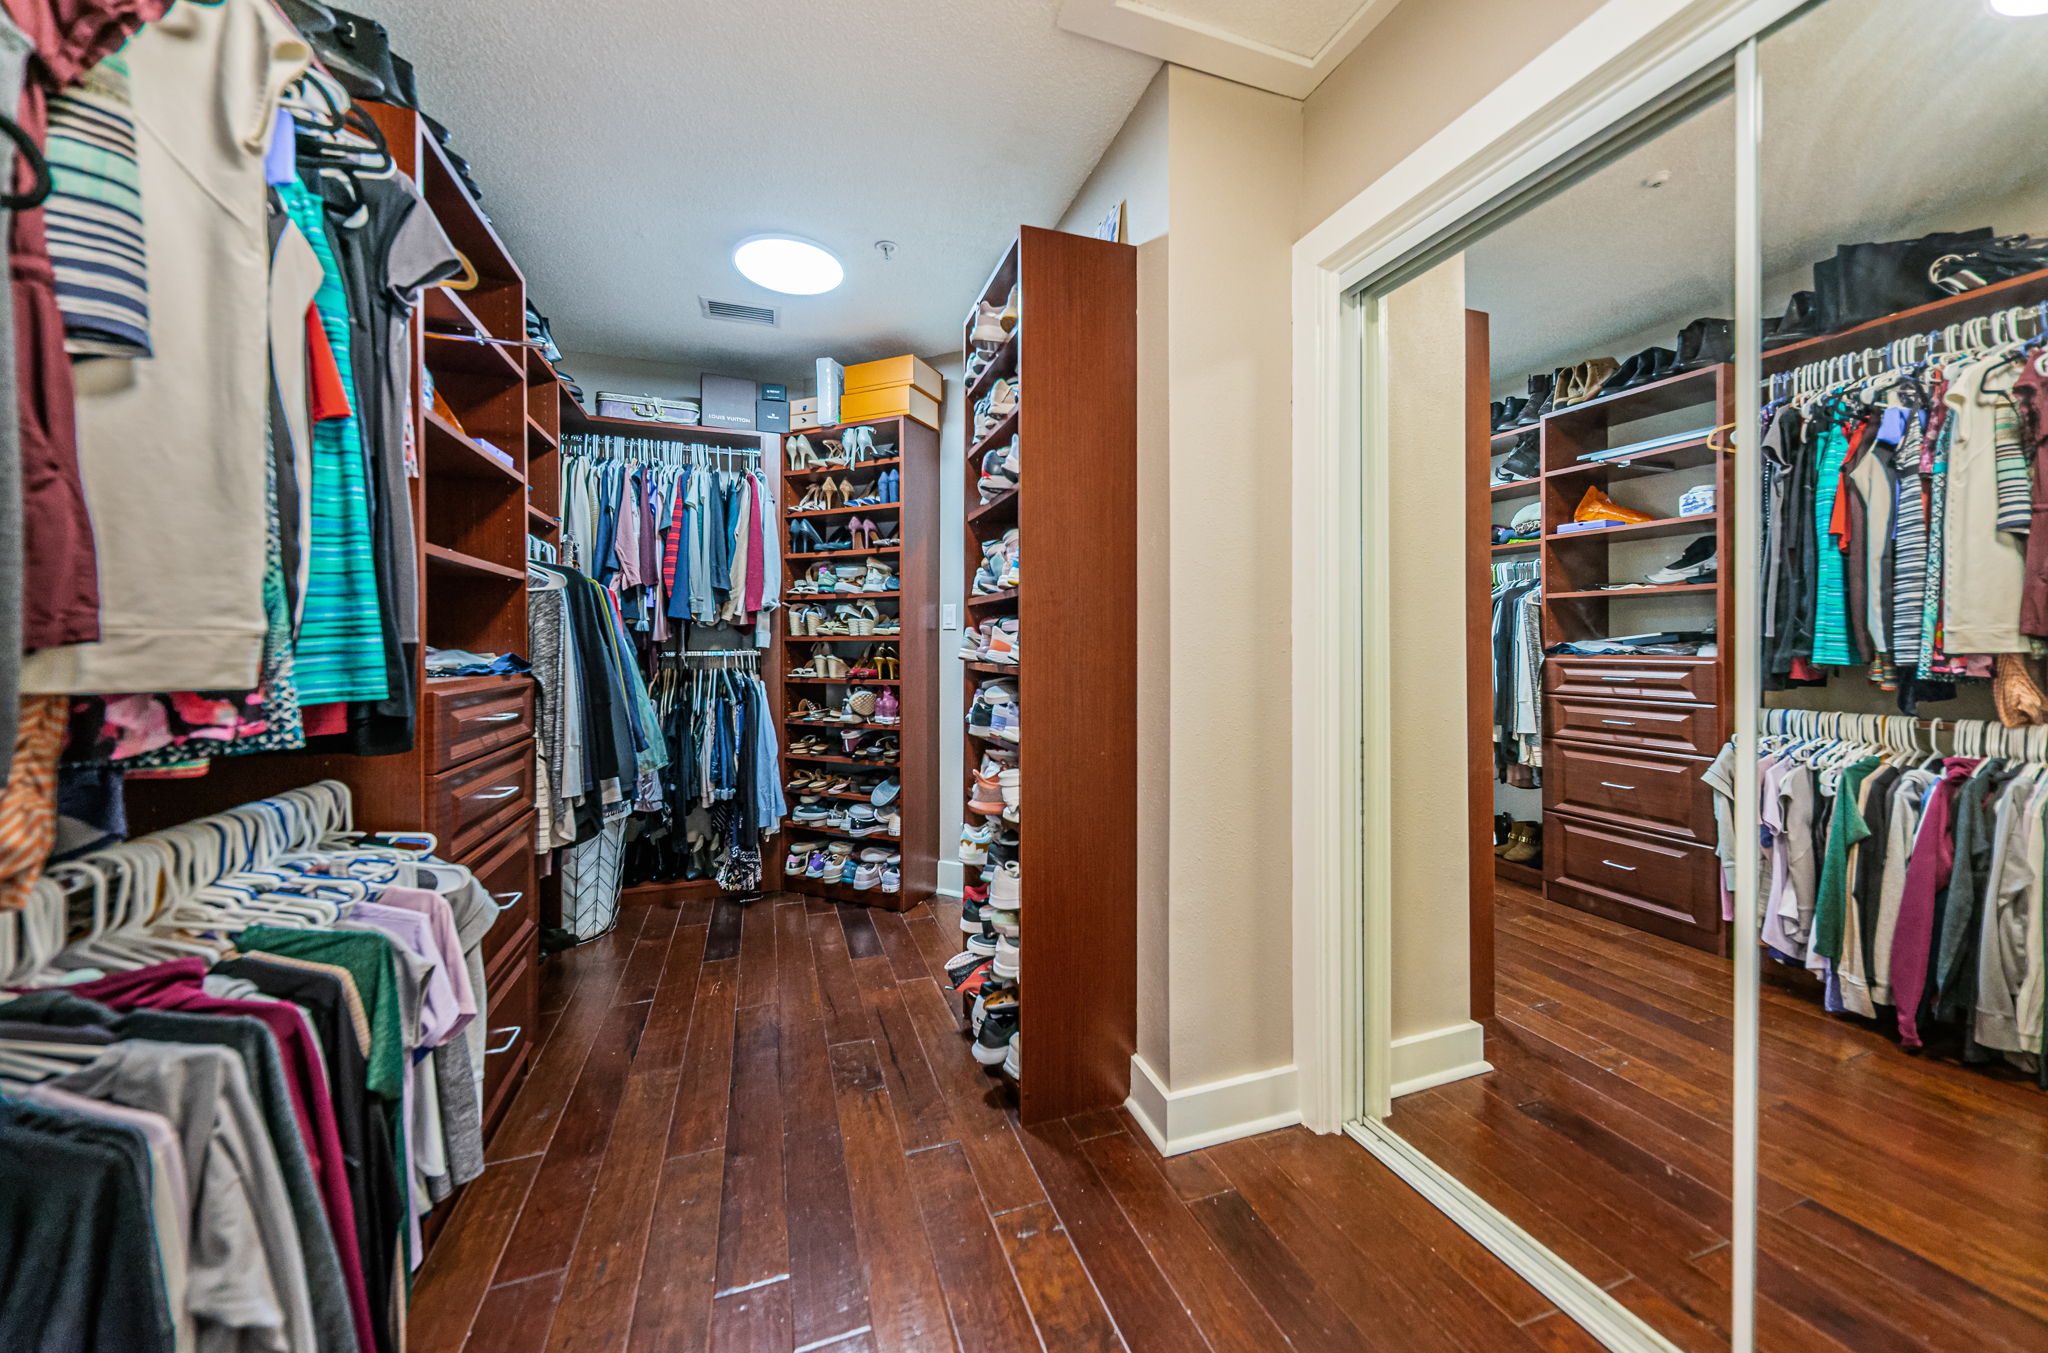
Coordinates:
x,y
721,657
1967,737
649,451
1982,333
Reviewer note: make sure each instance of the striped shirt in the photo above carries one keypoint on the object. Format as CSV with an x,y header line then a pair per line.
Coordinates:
x,y
95,216
341,636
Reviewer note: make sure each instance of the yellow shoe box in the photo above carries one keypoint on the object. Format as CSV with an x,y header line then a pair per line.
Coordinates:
x,y
888,401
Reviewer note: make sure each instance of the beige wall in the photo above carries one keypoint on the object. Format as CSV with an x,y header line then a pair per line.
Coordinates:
x,y
1132,171
1432,976
1234,157
1429,61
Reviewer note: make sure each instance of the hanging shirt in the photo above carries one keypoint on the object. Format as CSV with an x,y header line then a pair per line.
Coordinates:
x,y
1985,571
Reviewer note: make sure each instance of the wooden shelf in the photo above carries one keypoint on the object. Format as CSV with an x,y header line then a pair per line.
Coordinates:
x,y
448,312
575,420
1001,432
827,759
798,721
1005,597
536,517
1514,431
846,554
552,440
841,511
862,466
1683,391
442,558
1515,489
1679,456
1705,524
992,668
1003,505
451,452
840,681
474,357
1516,546
2023,290
1663,590
816,829
850,796
1004,362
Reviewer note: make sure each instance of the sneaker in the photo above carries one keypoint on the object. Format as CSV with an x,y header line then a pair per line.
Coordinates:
x,y
983,944
1008,956
799,856
962,966
1697,565
1001,851
1013,1062
1002,922
972,917
867,876
987,796
974,843
1001,645
815,867
892,877
1003,723
988,324
970,644
993,998
1006,890
992,1045
1012,784
977,893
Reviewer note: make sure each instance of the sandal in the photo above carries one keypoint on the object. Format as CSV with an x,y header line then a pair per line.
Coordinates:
x,y
887,665
865,669
880,577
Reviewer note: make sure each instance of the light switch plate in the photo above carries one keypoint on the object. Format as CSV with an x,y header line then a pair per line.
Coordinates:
x,y
949,616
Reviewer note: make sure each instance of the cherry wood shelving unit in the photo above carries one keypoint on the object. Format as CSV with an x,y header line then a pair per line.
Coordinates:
x,y
916,606
1075,357
1624,739
469,777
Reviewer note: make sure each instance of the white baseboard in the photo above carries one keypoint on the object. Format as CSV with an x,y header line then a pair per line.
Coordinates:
x,y
952,874
1177,1121
1425,1061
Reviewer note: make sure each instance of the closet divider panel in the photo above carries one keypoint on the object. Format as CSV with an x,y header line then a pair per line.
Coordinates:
x,y
1077,683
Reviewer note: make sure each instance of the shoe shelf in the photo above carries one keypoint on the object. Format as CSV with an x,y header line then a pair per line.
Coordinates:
x,y
1508,434
914,453
840,834
1680,456
1001,507
1516,546
886,463
995,436
1076,532
1703,524
1515,488
837,681
1611,593
831,759
847,796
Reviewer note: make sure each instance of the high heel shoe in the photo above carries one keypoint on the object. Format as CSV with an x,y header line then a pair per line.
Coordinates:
x,y
828,491
846,491
887,666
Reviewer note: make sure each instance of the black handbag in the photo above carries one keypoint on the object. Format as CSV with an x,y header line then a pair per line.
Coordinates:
x,y
2002,259
1863,282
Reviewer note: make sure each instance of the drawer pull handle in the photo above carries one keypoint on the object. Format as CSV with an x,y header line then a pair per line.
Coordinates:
x,y
1618,676
506,717
511,899
501,792
511,1037
1620,723
1609,784
1624,868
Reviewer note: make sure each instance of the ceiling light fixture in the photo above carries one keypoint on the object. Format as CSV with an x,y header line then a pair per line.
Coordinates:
x,y
2019,9
784,263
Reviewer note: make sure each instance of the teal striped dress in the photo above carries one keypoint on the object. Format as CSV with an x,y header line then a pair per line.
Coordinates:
x,y
341,637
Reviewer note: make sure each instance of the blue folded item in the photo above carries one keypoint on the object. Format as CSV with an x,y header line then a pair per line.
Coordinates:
x,y
447,662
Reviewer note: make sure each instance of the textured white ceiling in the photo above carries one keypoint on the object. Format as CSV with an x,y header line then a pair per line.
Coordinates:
x,y
1300,27
625,146
1851,152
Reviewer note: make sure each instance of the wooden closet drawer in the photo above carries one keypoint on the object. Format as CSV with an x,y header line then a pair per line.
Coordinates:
x,y
472,803
468,716
1632,789
510,1027
504,865
1693,680
1655,884
1684,730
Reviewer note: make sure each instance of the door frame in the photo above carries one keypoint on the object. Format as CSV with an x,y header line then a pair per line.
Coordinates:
x,y
1611,71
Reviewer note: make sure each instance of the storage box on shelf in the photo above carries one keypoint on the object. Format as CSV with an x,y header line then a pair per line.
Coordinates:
x,y
1628,822
909,450
1073,511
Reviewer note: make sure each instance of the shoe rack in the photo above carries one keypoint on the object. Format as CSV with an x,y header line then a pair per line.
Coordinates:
x,y
1628,828
909,450
1073,356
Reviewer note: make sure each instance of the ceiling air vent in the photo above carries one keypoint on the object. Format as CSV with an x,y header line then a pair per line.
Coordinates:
x,y
737,313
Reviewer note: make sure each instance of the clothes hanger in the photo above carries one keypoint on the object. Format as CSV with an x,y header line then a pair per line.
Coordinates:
x,y
40,182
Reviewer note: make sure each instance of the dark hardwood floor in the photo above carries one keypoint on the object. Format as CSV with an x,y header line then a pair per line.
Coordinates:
x,y
758,1129
1904,1199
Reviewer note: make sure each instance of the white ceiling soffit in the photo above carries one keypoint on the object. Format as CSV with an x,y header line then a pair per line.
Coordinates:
x,y
1286,46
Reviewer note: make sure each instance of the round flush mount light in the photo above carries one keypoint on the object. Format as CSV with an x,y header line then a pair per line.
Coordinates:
x,y
784,263
2019,9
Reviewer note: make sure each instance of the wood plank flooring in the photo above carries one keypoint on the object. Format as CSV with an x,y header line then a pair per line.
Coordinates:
x,y
758,1128
1904,1199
